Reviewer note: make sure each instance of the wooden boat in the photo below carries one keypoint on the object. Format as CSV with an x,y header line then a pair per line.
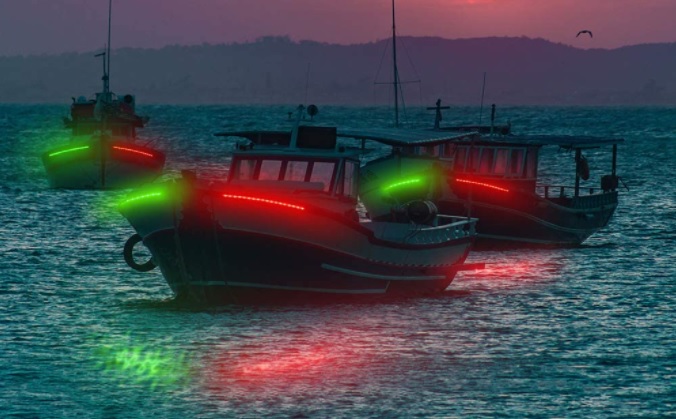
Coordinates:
x,y
495,179
491,174
103,151
283,226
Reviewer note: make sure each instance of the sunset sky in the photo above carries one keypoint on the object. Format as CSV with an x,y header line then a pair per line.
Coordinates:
x,y
56,26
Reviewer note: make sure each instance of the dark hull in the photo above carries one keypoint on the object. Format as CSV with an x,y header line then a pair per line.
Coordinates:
x,y
104,167
228,266
535,222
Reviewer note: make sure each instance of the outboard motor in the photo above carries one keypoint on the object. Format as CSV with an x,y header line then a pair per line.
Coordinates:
x,y
421,212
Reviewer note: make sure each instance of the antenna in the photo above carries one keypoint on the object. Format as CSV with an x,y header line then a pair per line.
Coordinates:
x,y
483,89
294,133
307,81
395,81
106,88
110,10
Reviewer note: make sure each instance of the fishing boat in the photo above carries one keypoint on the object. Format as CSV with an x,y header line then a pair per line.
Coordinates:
x,y
492,174
284,226
103,151
495,179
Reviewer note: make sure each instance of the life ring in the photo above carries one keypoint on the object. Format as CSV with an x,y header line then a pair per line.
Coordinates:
x,y
583,168
129,257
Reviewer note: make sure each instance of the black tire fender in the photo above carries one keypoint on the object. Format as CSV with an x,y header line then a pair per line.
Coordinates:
x,y
129,256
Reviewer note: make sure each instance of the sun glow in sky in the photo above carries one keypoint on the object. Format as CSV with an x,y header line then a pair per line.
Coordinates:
x,y
56,26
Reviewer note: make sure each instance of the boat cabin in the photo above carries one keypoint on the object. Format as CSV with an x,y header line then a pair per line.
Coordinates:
x,y
105,112
512,162
308,159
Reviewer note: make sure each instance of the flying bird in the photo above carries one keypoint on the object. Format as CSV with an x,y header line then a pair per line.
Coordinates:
x,y
591,35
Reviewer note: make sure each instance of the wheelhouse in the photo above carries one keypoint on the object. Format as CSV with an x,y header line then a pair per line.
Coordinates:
x,y
311,160
332,175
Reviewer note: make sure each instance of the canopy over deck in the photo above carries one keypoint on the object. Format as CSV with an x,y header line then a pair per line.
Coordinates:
x,y
572,142
407,137
399,137
404,137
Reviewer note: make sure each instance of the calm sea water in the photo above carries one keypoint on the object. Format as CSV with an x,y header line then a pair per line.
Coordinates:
x,y
583,332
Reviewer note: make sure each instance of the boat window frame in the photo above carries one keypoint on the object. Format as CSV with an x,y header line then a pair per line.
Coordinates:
x,y
330,187
520,174
470,163
234,173
354,187
285,168
531,173
259,166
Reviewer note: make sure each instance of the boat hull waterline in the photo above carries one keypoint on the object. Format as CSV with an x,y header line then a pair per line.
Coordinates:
x,y
219,251
546,225
95,166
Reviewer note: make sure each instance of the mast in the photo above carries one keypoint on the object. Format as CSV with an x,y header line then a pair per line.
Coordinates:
x,y
110,9
106,65
395,82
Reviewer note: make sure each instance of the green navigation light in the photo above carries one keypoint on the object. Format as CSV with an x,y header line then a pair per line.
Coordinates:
x,y
153,196
56,153
402,183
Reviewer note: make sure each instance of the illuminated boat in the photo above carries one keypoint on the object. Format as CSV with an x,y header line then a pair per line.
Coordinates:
x,y
283,226
103,151
495,179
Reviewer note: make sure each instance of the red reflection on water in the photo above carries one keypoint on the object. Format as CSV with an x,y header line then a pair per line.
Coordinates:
x,y
515,266
255,369
283,364
258,367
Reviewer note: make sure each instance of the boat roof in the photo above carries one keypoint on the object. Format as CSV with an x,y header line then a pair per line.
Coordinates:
x,y
399,137
406,137
563,141
302,153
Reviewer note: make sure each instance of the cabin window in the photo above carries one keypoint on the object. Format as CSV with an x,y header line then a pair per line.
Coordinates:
x,y
430,150
447,151
501,161
295,170
270,170
349,179
245,169
531,163
460,155
323,172
516,164
486,164
473,164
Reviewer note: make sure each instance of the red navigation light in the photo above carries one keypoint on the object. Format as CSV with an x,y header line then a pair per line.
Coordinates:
x,y
132,150
266,201
497,188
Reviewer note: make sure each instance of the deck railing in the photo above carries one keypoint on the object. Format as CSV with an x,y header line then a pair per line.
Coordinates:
x,y
563,191
587,198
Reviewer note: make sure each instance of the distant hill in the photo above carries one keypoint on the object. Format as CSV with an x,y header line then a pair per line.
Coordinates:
x,y
275,70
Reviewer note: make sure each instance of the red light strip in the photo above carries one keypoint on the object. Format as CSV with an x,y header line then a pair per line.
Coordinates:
x,y
132,150
267,201
482,184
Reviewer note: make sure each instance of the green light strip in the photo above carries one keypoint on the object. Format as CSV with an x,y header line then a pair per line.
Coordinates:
x,y
402,183
68,150
140,197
